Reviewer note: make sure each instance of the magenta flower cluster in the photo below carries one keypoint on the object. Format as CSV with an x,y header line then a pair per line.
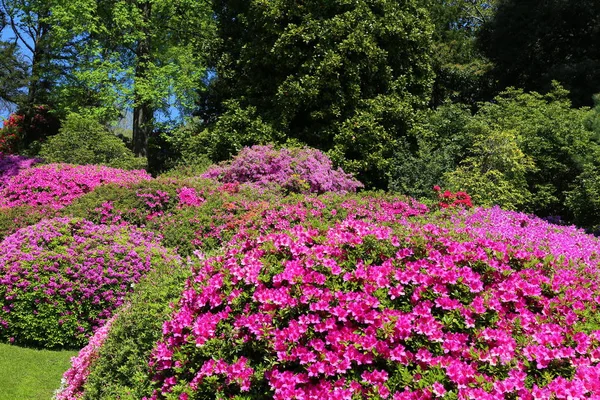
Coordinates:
x,y
57,185
61,279
471,305
296,170
10,165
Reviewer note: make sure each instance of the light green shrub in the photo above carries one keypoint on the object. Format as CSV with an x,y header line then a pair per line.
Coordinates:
x,y
83,140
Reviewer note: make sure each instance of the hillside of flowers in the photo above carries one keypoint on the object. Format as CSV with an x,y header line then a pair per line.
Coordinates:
x,y
300,290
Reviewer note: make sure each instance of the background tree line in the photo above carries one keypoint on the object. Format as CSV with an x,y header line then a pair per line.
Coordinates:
x,y
495,97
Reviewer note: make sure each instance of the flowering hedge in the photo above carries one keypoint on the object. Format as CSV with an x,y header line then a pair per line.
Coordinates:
x,y
61,279
11,133
364,297
296,170
57,185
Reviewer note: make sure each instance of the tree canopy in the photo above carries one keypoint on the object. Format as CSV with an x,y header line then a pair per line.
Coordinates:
x,y
345,77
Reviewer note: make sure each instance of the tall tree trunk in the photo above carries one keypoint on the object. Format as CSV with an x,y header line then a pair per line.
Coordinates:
x,y
35,87
143,111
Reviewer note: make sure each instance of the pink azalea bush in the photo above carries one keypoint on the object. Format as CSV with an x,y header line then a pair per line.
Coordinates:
x,y
296,170
10,165
57,185
483,305
344,297
62,278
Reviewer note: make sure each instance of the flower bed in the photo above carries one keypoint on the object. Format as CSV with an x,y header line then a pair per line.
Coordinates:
x,y
57,185
62,278
410,311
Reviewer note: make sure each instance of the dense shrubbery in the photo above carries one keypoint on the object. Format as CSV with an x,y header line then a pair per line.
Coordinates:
x,y
57,185
295,170
523,151
62,278
15,218
83,140
334,296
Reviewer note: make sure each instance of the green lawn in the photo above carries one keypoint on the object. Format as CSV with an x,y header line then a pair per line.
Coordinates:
x,y
27,374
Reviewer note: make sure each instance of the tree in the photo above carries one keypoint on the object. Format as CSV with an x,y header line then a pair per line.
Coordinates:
x,y
495,172
461,71
45,60
13,75
151,53
533,42
548,132
344,77
13,70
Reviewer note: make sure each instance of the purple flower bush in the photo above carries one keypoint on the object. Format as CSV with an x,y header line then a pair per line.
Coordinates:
x,y
57,185
10,165
62,278
344,297
296,170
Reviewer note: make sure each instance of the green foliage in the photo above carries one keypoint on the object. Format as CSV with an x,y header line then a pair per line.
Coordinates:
x,y
13,75
180,151
532,43
120,372
148,55
440,142
495,172
584,200
548,132
522,151
461,71
343,77
83,140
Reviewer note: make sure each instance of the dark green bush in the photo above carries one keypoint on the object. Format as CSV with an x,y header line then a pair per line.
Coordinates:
x,y
83,140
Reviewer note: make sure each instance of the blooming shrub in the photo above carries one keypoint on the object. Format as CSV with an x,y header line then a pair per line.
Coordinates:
x,y
408,310
296,170
10,134
342,297
10,165
448,199
57,185
61,279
